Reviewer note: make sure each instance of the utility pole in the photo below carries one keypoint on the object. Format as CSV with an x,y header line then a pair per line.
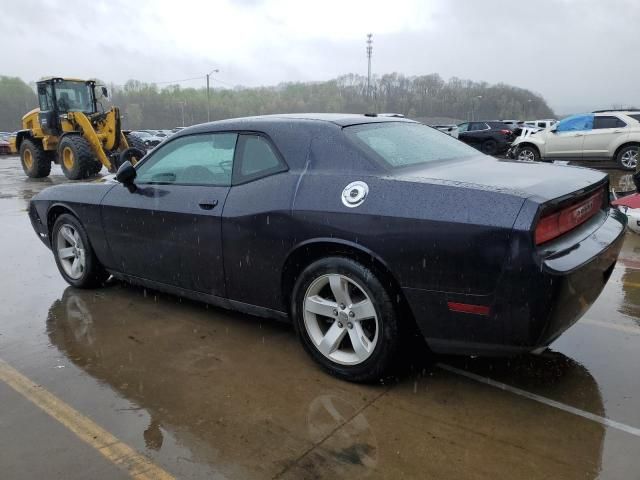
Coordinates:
x,y
209,95
369,52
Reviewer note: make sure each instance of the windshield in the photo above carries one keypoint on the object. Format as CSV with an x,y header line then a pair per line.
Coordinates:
x,y
74,96
401,144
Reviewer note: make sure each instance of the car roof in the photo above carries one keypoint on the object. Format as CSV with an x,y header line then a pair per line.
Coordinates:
x,y
340,119
618,110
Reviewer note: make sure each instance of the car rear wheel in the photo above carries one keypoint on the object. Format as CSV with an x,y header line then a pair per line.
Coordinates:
x,y
528,154
489,147
74,256
628,157
345,319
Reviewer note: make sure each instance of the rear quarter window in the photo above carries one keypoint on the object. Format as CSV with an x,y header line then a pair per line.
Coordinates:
x,y
399,144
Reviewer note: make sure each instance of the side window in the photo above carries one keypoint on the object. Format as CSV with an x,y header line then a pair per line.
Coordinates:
x,y
256,158
44,94
608,121
205,159
463,127
575,123
478,126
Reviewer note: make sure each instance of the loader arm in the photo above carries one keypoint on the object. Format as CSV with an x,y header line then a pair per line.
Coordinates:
x,y
94,138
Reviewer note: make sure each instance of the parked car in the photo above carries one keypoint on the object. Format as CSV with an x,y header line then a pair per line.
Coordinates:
x,y
150,141
541,124
602,136
355,228
490,137
448,129
5,146
512,123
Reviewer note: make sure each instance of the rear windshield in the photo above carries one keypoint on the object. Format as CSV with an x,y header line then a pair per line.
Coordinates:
x,y
401,144
635,116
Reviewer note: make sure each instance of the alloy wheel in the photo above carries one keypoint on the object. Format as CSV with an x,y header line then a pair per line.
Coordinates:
x,y
526,155
629,158
341,319
71,251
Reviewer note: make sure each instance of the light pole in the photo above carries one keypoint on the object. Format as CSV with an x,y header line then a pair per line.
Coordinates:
x,y
473,105
215,70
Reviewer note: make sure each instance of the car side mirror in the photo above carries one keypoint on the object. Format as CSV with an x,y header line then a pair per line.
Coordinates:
x,y
105,93
126,174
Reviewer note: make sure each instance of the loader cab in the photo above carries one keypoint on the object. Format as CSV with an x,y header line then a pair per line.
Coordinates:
x,y
59,96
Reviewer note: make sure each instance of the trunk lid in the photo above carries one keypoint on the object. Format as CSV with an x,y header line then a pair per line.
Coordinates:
x,y
544,182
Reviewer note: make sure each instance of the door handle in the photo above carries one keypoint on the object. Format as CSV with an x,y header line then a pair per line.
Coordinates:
x,y
208,204
578,134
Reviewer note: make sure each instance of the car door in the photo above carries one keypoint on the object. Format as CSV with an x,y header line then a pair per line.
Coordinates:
x,y
606,130
462,130
567,138
256,225
476,133
168,229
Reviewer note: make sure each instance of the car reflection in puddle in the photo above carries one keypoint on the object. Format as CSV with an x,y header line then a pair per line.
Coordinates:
x,y
241,395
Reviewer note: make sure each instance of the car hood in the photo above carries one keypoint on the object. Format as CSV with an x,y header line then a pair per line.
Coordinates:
x,y
542,180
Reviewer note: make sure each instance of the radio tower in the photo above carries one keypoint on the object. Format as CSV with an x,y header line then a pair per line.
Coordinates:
x,y
369,51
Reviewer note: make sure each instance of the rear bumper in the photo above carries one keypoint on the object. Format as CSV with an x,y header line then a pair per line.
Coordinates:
x,y
534,303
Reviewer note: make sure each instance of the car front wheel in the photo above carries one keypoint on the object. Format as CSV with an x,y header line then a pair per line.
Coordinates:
x,y
74,256
345,319
528,154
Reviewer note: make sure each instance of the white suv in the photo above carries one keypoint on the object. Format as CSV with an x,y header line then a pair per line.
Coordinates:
x,y
602,135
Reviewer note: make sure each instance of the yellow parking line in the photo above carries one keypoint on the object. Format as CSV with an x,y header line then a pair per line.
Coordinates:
x,y
138,466
631,284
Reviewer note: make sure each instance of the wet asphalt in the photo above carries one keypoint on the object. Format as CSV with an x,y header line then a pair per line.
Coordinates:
x,y
206,393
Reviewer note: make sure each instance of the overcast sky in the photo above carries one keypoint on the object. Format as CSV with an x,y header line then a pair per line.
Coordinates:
x,y
576,53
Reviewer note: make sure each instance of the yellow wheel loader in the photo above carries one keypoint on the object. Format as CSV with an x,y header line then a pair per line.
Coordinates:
x,y
70,129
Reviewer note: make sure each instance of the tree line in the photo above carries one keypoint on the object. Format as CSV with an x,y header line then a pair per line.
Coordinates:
x,y
146,105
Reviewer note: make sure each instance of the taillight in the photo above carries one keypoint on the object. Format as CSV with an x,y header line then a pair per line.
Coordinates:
x,y
505,132
558,223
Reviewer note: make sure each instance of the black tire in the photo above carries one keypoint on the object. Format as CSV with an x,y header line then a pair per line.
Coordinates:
x,y
36,163
76,158
93,274
489,147
135,142
381,358
625,156
531,153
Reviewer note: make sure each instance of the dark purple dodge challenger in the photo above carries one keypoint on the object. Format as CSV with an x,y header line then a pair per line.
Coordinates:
x,y
353,227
